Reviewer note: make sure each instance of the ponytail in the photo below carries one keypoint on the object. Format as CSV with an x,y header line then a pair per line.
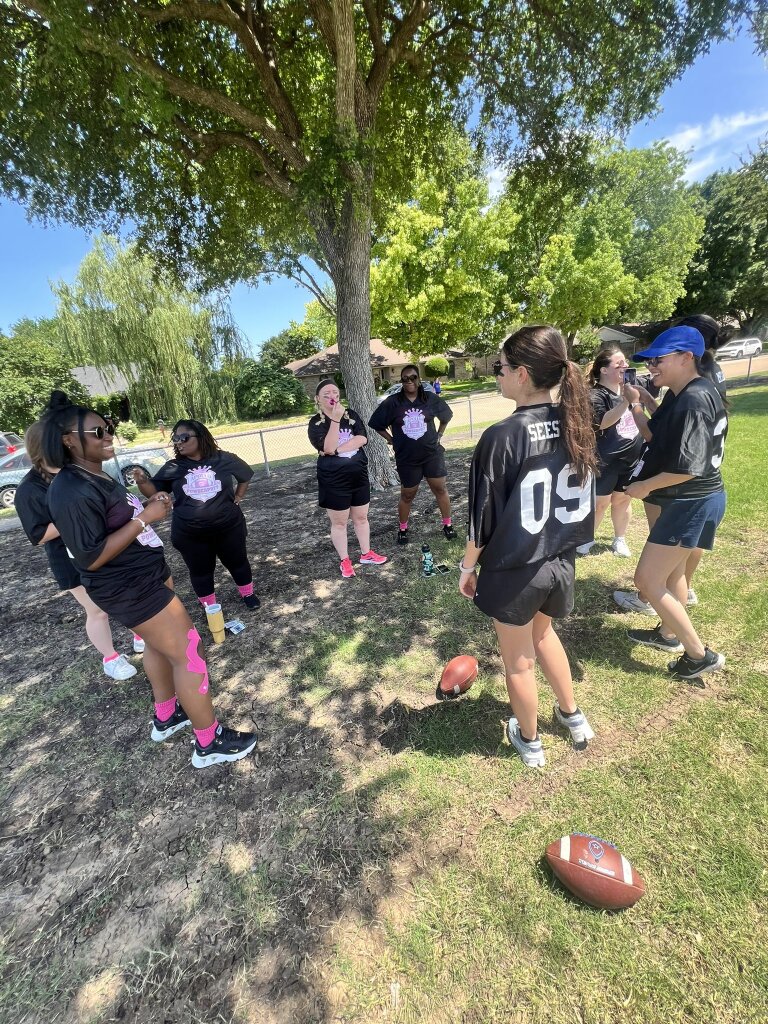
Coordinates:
x,y
59,417
33,442
576,418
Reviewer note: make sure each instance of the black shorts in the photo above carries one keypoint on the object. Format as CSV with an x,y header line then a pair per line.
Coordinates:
x,y
64,570
433,467
339,494
614,477
689,522
137,603
514,596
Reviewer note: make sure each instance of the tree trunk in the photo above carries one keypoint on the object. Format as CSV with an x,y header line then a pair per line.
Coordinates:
x,y
350,265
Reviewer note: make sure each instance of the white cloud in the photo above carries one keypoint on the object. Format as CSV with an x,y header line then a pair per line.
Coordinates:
x,y
497,176
718,143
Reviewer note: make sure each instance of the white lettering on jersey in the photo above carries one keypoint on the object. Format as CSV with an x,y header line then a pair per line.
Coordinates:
x,y
582,493
718,443
544,431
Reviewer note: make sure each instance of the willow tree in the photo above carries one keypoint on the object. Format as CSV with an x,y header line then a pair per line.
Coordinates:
x,y
120,311
242,136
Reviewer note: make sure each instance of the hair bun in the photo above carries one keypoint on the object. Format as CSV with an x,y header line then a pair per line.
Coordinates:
x,y
58,400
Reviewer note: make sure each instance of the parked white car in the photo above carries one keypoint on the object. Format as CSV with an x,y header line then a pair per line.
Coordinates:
x,y
738,348
399,387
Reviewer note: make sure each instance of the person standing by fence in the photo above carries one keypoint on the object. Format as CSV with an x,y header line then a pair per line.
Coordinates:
x,y
208,522
344,490
406,420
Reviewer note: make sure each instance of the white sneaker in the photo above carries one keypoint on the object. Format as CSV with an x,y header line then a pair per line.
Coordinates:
x,y
138,645
577,725
119,668
629,601
584,549
619,547
692,598
532,754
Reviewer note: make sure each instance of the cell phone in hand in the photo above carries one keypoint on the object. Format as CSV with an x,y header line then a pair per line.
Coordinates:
x,y
630,375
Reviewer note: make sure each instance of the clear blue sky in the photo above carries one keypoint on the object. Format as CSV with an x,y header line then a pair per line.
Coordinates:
x,y
717,111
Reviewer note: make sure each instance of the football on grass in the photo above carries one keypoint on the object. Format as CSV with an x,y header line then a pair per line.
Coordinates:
x,y
458,675
595,871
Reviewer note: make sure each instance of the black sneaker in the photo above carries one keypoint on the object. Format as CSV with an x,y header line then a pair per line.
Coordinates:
x,y
164,730
226,745
402,536
251,601
450,533
655,638
688,668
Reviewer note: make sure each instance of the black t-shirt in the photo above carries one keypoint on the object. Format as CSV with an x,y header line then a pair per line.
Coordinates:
x,y
688,436
86,509
338,468
525,503
412,424
623,439
32,506
714,372
203,492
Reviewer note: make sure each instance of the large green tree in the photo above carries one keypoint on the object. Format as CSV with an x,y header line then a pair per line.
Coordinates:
x,y
121,311
286,346
240,136
614,244
31,366
729,274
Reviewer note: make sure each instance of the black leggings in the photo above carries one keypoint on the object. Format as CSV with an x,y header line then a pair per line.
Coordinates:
x,y
201,547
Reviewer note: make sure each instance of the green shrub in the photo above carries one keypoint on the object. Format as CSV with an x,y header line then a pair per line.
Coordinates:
x,y
128,431
262,390
436,366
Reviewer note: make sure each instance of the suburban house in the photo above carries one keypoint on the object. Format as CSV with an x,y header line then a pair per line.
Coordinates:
x,y
105,381
632,337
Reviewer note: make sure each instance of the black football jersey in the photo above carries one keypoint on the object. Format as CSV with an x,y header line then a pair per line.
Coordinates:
x,y
525,501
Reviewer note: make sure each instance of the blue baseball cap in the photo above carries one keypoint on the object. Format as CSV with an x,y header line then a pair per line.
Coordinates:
x,y
674,339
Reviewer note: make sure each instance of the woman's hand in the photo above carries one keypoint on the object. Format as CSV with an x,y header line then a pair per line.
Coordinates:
x,y
468,583
631,394
157,508
139,476
638,490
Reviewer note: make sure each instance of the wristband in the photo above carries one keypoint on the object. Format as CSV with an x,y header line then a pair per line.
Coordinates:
x,y
635,405
141,521
463,568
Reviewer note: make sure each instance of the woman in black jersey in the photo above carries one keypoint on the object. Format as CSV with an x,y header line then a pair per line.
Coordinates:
x,y
531,503
120,558
680,475
32,508
619,443
208,522
406,420
344,490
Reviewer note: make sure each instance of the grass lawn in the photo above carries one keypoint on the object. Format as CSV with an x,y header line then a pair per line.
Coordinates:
x,y
382,856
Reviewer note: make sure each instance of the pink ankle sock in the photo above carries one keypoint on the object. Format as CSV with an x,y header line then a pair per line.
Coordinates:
x,y
205,736
404,526
165,709
210,599
111,657
247,590
447,522
136,636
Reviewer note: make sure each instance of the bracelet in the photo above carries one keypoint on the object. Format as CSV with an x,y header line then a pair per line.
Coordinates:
x,y
635,405
463,568
141,521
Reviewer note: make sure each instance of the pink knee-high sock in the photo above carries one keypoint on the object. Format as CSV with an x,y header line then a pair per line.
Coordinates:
x,y
205,736
247,590
165,709
210,599
404,526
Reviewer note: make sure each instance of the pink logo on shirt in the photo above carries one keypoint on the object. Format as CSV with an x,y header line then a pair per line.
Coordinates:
x,y
414,424
147,538
626,427
345,435
202,484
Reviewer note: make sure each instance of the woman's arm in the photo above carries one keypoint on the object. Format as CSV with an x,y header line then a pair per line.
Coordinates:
x,y
143,482
642,488
240,491
613,415
468,569
50,534
353,443
155,510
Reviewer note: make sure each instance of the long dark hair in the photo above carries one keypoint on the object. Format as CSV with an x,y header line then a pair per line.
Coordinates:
x,y
602,359
711,332
33,442
420,393
205,439
60,417
542,351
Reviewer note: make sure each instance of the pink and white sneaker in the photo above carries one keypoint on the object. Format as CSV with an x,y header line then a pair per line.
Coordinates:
x,y
371,558
347,570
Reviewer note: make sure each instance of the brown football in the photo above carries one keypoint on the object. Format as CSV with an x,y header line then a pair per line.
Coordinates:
x,y
458,675
595,871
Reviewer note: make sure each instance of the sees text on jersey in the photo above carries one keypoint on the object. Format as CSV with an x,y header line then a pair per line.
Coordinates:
x,y
526,503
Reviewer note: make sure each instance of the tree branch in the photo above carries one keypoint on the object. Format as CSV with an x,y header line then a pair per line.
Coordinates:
x,y
393,51
210,143
375,30
346,61
313,287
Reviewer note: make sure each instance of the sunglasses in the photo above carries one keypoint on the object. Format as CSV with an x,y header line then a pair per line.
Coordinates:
x,y
498,367
655,360
181,438
100,432
409,377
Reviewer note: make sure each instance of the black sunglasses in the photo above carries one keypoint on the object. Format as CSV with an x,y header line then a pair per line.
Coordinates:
x,y
98,431
498,367
409,377
181,438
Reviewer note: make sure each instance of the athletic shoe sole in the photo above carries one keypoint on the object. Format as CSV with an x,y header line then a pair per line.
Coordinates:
x,y
158,735
676,648
714,666
371,561
206,760
580,734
